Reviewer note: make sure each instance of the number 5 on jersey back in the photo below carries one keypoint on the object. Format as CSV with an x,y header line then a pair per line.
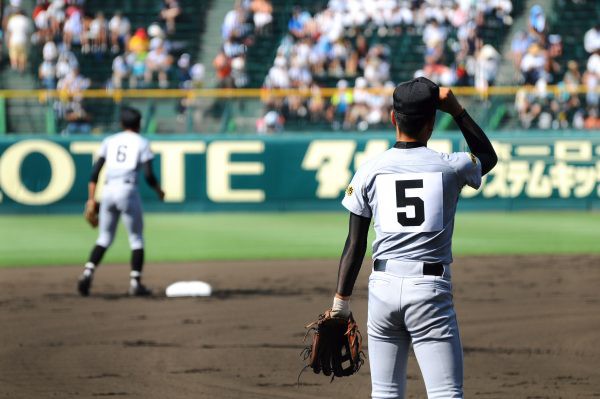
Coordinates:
x,y
410,202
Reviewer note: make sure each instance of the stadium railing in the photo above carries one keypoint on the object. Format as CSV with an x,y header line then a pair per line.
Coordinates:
x,y
218,110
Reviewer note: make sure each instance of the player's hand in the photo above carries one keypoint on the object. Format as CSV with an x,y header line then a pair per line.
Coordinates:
x,y
161,194
448,102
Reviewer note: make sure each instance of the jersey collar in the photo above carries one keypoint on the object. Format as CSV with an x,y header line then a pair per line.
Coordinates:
x,y
408,144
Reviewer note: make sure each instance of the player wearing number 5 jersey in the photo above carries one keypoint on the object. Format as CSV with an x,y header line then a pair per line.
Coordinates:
x,y
122,155
411,192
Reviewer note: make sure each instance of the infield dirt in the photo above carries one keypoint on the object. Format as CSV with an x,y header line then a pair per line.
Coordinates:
x,y
530,328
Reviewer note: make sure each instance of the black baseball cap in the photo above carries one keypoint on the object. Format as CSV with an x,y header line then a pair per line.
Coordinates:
x,y
418,97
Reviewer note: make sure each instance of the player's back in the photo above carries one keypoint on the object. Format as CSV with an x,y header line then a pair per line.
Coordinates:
x,y
124,153
412,195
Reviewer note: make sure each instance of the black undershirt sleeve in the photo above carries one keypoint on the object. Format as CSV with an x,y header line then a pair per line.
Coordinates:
x,y
96,169
353,253
477,141
149,174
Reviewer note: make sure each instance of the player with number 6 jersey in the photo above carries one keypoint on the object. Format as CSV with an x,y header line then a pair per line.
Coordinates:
x,y
411,193
123,155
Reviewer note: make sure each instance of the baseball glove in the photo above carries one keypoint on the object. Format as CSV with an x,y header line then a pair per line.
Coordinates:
x,y
335,347
91,213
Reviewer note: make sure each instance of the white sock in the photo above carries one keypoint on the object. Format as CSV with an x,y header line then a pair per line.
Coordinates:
x,y
134,278
89,269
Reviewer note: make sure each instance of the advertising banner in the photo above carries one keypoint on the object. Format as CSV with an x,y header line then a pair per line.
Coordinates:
x,y
40,174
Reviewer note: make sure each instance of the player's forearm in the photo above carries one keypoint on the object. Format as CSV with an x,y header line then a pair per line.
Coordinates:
x,y
96,170
150,177
352,255
91,190
478,142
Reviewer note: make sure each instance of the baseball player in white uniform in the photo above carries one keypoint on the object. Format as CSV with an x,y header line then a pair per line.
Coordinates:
x,y
123,154
411,192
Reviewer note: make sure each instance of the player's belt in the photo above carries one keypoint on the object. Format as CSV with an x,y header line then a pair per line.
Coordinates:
x,y
429,269
121,181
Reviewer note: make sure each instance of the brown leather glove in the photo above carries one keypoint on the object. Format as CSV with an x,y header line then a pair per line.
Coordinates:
x,y
90,213
335,347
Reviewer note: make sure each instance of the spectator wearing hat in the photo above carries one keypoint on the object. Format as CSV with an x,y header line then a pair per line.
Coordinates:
x,y
42,21
139,43
488,62
537,23
262,15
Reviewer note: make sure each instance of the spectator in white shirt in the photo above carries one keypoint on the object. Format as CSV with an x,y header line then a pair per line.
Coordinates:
x,y
591,79
73,29
47,75
591,40
18,29
96,38
233,20
278,77
532,64
262,11
65,64
50,51
158,61
120,71
197,73
433,34
120,31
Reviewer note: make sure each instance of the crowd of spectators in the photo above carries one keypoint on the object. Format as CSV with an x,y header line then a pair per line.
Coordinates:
x,y
249,19
141,56
537,56
346,42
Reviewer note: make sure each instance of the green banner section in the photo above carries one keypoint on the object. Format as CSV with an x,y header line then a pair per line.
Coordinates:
x,y
41,174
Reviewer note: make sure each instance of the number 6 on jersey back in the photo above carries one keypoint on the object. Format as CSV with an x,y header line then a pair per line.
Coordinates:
x,y
410,202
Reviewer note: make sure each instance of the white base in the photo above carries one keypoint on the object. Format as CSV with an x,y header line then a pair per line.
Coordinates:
x,y
188,288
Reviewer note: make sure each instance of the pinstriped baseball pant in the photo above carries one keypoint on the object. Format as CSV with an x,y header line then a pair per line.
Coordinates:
x,y
120,201
408,307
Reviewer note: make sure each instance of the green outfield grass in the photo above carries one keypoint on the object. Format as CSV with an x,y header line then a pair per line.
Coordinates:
x,y
66,239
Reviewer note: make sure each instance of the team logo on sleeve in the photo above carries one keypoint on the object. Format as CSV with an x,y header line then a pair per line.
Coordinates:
x,y
349,191
473,159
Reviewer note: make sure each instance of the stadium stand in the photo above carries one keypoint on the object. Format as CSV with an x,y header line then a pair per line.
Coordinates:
x,y
93,65
345,43
458,43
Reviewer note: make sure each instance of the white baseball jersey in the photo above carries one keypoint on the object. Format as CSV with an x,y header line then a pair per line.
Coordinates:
x,y
124,153
412,194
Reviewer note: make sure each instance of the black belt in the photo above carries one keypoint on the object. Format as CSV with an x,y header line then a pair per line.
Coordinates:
x,y
126,181
429,269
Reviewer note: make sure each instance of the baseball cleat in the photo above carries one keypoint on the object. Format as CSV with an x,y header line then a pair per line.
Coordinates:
x,y
139,290
84,284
